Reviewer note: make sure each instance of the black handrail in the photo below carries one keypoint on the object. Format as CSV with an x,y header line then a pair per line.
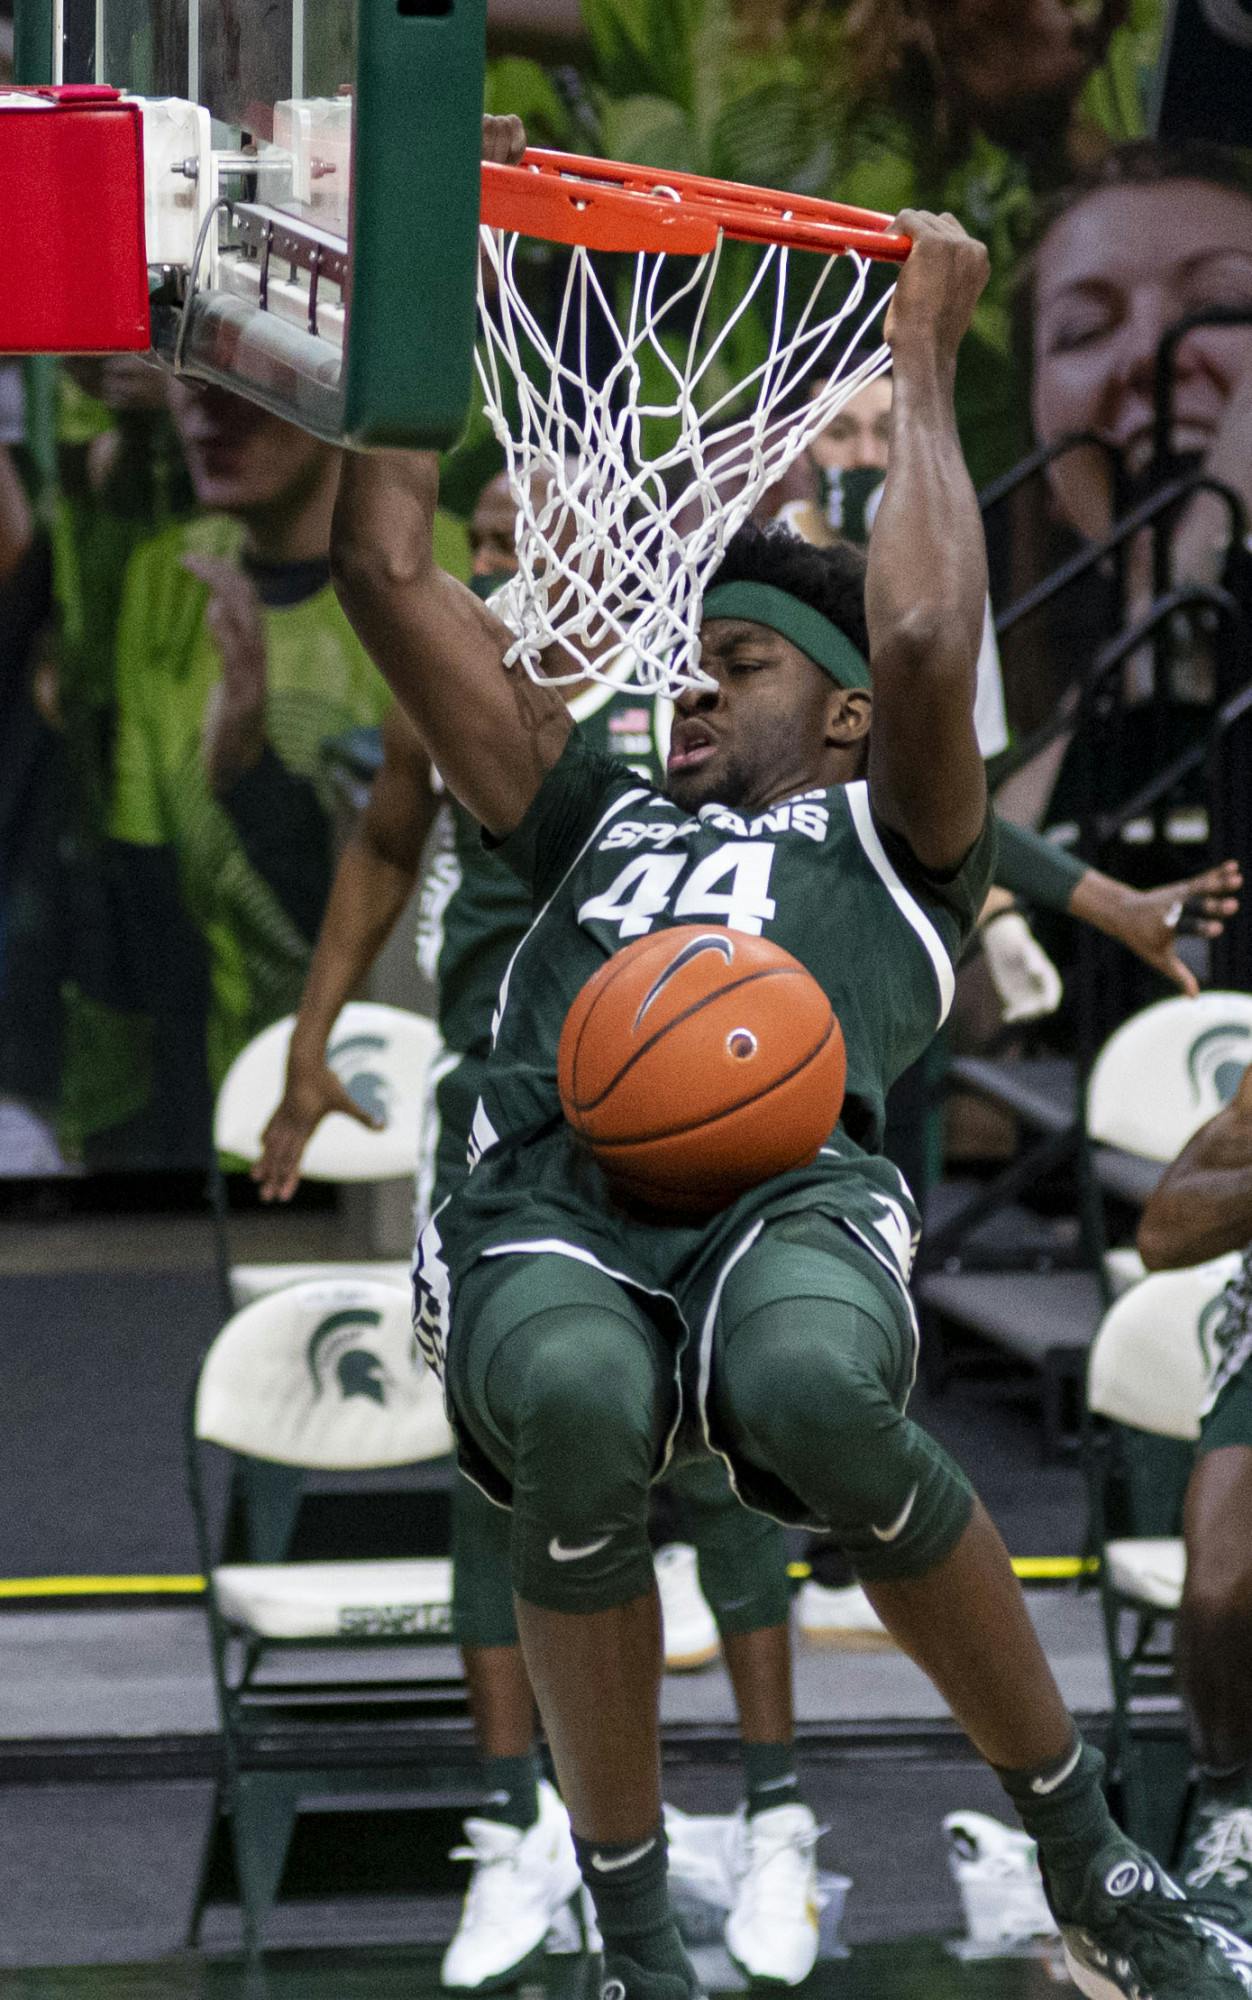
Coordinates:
x,y
1229,613
1163,385
1188,597
1139,518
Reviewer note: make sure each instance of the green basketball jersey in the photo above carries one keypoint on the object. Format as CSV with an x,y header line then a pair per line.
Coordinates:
x,y
609,860
475,909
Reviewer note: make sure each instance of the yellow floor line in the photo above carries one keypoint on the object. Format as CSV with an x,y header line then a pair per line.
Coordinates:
x,y
1031,1569
100,1586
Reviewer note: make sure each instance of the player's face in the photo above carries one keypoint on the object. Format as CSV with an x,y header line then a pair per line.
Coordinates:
x,y
1010,58
241,459
491,531
124,383
858,437
758,734
1113,275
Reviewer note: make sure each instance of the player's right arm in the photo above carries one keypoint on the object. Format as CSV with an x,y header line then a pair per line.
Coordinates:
x,y
1202,1206
493,733
372,885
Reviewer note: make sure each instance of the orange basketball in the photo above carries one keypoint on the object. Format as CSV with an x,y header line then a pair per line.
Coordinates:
x,y
696,1063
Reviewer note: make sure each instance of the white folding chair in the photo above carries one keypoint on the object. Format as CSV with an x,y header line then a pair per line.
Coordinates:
x,y
1167,1071
1146,1378
383,1055
1158,1078
316,1378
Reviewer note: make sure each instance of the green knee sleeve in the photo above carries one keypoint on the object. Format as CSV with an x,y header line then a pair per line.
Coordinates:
x,y
569,1389
813,1367
742,1555
482,1585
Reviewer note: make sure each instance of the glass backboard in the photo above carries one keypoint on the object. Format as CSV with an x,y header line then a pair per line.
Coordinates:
x,y
313,193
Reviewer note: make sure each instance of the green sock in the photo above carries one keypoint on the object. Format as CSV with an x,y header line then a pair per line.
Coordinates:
x,y
1063,1809
513,1788
628,1886
769,1771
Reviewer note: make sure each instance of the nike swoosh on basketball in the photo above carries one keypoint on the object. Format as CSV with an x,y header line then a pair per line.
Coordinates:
x,y
623,1860
560,1555
899,1524
1045,1785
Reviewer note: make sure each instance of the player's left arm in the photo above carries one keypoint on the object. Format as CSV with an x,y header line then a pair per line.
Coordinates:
x,y
926,584
1149,922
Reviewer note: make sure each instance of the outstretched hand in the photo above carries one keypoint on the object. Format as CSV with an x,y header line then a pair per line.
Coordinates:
x,y
939,285
504,140
233,734
309,1097
1152,920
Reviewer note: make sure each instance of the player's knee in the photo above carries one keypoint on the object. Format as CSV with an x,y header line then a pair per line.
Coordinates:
x,y
587,1434
826,1414
827,1425
587,1438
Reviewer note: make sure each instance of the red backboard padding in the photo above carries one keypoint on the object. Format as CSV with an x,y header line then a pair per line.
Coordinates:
x,y
73,264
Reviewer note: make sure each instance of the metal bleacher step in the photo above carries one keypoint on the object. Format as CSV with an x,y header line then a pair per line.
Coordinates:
x,y
1030,1314
1012,1235
1042,1092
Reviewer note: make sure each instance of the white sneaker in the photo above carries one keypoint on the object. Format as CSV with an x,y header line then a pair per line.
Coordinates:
x,y
703,1856
996,1870
521,1880
691,1638
840,1618
772,1931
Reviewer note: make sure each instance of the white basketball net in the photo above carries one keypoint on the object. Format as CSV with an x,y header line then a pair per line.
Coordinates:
x,y
615,548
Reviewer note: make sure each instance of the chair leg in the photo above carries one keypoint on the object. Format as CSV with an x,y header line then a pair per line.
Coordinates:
x,y
262,1817
216,1811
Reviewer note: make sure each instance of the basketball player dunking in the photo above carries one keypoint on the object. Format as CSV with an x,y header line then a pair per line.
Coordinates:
x,y
576,1339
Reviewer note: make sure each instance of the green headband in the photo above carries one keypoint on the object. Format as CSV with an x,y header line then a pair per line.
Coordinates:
x,y
822,642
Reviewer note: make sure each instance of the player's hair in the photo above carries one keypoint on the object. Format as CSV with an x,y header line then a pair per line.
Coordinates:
x,y
830,580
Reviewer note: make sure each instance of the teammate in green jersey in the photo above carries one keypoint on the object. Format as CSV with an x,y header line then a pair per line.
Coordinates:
x,y
574,1337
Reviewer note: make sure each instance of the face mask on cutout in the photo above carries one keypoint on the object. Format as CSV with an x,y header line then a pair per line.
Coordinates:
x,y
487,586
849,499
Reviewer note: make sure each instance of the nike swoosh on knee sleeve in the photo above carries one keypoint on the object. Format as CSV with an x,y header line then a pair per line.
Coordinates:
x,y
900,1523
560,1555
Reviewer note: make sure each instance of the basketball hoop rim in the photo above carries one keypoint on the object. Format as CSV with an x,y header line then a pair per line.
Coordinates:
x,y
611,205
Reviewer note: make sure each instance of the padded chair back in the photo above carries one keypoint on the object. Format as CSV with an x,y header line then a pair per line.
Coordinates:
x,y
325,1377
1151,1359
1167,1071
382,1055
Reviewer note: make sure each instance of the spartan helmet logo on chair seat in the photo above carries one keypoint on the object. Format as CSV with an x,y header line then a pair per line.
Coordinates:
x,y
365,1086
1166,1071
336,1354
1217,1059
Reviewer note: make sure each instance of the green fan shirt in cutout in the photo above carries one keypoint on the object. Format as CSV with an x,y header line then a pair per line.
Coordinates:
x,y
320,684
